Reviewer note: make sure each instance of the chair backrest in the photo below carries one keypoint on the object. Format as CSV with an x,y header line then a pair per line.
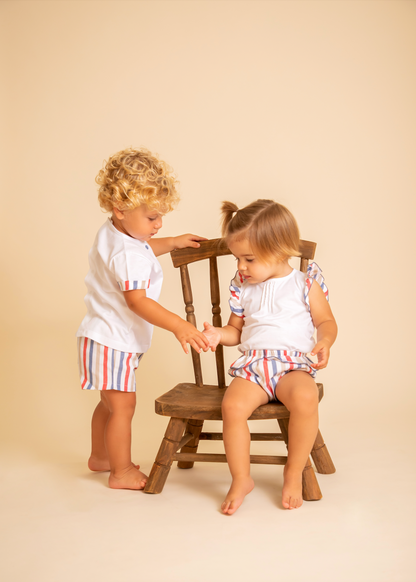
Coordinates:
x,y
211,249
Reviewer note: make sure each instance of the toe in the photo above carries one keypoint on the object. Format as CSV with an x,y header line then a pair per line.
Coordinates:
x,y
232,509
225,507
294,503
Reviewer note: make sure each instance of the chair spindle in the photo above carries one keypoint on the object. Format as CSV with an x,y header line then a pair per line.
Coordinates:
x,y
216,318
190,316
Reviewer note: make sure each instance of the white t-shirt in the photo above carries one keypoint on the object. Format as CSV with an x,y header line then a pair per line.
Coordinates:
x,y
276,312
119,263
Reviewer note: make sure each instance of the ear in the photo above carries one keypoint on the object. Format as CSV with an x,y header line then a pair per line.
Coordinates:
x,y
118,213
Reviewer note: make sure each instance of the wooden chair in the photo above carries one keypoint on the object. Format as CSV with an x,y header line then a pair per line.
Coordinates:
x,y
189,404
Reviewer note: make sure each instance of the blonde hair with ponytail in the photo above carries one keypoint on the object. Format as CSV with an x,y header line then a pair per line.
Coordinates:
x,y
270,228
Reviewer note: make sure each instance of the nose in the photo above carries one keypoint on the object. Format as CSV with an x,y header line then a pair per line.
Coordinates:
x,y
158,223
241,266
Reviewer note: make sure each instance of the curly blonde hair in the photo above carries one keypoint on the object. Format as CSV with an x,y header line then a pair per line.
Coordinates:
x,y
134,177
270,228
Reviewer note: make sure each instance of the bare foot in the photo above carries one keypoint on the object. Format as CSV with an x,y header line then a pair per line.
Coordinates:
x,y
239,489
292,489
130,478
96,464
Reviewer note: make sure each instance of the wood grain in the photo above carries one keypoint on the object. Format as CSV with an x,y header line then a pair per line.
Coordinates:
x,y
221,458
188,400
321,457
254,436
193,428
217,248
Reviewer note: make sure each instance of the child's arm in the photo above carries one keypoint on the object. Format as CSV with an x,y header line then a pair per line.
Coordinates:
x,y
325,324
161,246
151,311
228,335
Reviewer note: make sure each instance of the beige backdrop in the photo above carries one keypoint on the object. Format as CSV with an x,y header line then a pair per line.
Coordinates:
x,y
310,103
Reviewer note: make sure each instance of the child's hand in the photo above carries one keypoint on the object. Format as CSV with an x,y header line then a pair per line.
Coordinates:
x,y
212,334
321,350
187,240
186,333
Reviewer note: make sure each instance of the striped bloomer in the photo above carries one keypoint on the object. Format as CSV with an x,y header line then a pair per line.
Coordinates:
x,y
266,367
102,368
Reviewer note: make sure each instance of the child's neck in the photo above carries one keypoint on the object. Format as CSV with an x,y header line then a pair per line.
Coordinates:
x,y
118,224
281,269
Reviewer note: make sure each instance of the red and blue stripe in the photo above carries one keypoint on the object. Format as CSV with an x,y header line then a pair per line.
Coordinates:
x,y
103,368
266,367
133,285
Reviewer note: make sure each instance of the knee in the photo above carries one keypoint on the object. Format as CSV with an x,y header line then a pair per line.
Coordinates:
x,y
305,400
233,409
123,407
128,409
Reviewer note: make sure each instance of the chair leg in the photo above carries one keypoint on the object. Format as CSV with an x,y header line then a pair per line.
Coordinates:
x,y
310,485
164,458
194,427
321,457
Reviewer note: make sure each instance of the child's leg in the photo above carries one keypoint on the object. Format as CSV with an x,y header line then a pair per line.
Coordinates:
x,y
117,438
98,460
299,393
240,400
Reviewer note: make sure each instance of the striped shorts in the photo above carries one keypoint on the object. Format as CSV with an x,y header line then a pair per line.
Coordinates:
x,y
266,367
102,368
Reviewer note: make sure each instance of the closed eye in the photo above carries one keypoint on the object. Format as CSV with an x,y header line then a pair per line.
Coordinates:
x,y
246,260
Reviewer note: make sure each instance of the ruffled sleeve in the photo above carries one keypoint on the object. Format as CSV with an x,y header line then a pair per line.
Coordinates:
x,y
235,295
314,273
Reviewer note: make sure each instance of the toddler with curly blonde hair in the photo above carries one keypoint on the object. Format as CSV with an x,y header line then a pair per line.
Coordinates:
x,y
124,284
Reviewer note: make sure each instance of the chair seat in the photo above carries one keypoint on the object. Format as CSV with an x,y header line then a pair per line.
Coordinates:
x,y
187,400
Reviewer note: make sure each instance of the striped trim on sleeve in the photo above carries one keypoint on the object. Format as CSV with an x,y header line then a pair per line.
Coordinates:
x,y
235,293
132,285
314,273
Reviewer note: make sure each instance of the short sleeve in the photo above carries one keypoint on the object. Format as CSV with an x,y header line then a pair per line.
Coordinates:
x,y
132,271
235,295
314,273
